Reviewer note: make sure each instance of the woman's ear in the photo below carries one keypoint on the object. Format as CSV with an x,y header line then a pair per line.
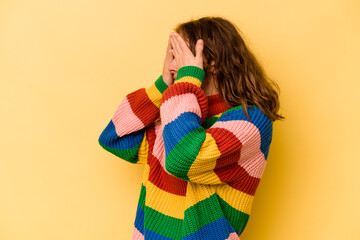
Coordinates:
x,y
212,66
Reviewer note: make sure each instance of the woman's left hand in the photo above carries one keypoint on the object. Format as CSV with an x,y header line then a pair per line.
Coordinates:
x,y
182,53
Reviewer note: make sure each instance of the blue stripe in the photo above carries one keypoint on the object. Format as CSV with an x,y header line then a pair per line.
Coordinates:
x,y
218,230
110,139
174,131
153,235
139,220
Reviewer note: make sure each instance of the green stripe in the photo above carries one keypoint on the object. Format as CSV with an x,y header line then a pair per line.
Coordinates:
x,y
237,219
209,121
167,226
142,196
161,85
192,71
129,155
202,213
185,155
238,107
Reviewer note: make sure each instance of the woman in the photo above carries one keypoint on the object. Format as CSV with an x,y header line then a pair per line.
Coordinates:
x,y
203,131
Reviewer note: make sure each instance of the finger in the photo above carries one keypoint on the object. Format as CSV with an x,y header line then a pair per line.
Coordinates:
x,y
181,42
169,55
169,47
176,46
172,44
168,51
199,48
173,55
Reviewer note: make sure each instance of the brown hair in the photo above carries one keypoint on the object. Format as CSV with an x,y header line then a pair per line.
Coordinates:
x,y
239,78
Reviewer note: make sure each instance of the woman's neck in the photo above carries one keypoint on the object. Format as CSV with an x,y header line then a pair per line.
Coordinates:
x,y
208,87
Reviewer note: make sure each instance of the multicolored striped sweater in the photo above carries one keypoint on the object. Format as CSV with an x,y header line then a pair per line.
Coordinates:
x,y
203,159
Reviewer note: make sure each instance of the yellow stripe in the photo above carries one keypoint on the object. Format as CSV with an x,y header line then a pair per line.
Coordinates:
x,y
143,150
146,175
218,115
164,202
201,171
154,94
198,192
235,198
189,79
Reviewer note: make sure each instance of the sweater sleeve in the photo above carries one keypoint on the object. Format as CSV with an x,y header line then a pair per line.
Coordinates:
x,y
126,134
206,156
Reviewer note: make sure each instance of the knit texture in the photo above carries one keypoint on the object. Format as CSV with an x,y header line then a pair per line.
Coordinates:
x,y
203,159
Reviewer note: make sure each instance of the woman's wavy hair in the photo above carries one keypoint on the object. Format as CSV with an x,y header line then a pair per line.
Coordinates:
x,y
239,78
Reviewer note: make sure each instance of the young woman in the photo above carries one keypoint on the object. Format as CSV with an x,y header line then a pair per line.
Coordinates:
x,y
203,131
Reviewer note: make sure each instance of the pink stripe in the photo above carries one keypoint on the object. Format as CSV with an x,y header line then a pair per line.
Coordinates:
x,y
251,158
176,105
137,235
233,236
254,165
125,120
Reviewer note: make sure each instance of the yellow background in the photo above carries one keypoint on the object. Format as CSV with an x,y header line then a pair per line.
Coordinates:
x,y
66,65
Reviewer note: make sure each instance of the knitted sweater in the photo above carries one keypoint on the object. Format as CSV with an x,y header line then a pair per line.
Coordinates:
x,y
203,159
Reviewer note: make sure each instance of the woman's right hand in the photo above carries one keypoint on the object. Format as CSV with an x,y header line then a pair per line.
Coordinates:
x,y
166,74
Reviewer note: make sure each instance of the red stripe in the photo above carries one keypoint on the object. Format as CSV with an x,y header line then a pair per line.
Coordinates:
x,y
142,106
245,183
227,167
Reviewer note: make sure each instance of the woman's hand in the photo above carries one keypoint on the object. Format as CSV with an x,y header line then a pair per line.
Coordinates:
x,y
166,74
183,54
